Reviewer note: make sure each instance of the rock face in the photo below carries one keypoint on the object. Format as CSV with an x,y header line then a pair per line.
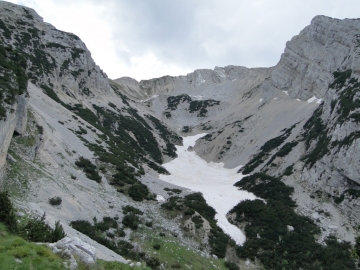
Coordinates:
x,y
70,247
55,60
63,61
128,127
21,114
6,132
306,66
15,121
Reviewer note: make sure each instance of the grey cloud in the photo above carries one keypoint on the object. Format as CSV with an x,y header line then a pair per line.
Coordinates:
x,y
204,34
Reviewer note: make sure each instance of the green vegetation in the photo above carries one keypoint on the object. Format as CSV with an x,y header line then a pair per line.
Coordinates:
x,y
314,129
13,79
169,137
116,89
348,102
194,105
16,253
34,229
131,209
154,166
5,30
201,105
55,45
289,170
268,238
231,266
174,101
263,154
284,150
89,169
100,232
353,194
172,254
173,190
218,240
131,221
198,221
186,129
340,78
139,192
55,200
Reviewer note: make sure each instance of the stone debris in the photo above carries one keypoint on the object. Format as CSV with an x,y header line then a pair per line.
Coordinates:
x,y
68,247
290,228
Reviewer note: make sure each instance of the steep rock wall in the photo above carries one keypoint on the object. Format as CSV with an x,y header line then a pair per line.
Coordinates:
x,y
306,66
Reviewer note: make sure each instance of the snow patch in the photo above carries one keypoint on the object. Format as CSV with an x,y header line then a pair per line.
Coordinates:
x,y
314,99
160,198
152,97
215,182
197,97
286,92
261,100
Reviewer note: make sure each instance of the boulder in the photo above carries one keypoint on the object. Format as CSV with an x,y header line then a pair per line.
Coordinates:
x,y
75,246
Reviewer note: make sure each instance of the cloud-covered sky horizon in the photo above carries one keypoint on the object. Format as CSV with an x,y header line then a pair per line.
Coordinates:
x,y
145,39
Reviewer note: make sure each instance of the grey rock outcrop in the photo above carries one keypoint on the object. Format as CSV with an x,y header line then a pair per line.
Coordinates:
x,y
306,66
6,132
21,114
71,247
65,61
16,120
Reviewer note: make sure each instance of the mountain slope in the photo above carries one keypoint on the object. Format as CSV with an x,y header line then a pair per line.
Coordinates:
x,y
99,144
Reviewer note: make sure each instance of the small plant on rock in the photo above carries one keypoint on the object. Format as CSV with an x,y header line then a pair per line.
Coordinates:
x,y
55,200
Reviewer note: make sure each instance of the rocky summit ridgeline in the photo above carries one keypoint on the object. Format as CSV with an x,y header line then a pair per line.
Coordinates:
x,y
88,150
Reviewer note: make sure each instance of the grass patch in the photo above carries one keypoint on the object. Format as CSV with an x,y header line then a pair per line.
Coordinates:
x,y
32,256
172,252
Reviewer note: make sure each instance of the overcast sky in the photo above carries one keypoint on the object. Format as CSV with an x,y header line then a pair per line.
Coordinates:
x,y
145,39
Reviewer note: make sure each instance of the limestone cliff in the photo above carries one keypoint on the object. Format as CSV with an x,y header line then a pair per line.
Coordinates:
x,y
306,66
55,58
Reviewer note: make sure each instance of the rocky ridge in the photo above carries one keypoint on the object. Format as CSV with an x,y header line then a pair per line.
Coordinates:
x,y
306,67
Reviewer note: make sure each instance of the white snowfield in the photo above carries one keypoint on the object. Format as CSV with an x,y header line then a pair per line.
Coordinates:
x,y
212,180
314,99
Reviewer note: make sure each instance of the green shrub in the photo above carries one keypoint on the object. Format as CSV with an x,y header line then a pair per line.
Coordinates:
x,y
131,209
120,232
270,145
131,220
289,170
55,200
37,230
173,203
89,169
139,192
231,265
198,221
153,262
176,265
7,212
106,224
276,245
174,101
149,224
